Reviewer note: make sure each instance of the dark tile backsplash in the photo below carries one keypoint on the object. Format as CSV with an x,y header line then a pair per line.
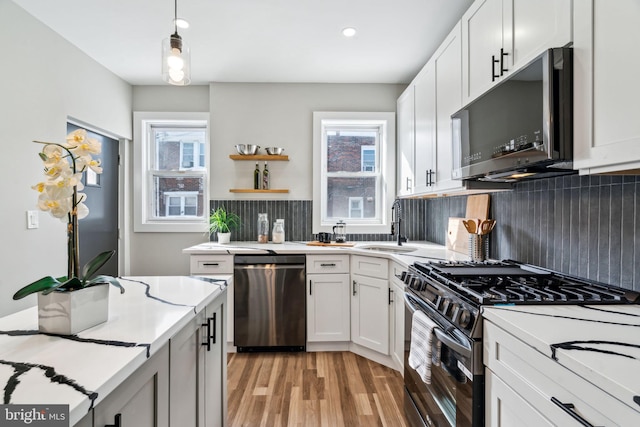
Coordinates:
x,y
587,226
298,219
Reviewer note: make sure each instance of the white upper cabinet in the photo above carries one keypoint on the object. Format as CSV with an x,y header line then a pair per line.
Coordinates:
x,y
499,36
424,86
606,90
447,64
405,141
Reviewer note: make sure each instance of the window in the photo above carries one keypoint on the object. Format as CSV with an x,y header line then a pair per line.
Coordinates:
x,y
171,177
355,207
354,170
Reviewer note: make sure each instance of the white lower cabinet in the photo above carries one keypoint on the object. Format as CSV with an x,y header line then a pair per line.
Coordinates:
x,y
396,316
527,388
328,309
142,400
198,370
370,301
217,265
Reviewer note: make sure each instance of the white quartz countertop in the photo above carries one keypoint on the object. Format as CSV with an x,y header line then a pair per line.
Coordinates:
x,y
600,343
94,362
424,251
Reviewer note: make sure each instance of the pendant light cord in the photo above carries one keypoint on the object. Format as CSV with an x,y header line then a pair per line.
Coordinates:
x,y
175,17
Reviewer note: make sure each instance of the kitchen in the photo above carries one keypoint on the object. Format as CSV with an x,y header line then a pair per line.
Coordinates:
x,y
572,223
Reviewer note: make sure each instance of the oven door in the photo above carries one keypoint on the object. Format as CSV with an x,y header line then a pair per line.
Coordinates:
x,y
455,396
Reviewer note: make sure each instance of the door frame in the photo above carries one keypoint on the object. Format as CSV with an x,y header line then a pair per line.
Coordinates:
x,y
123,179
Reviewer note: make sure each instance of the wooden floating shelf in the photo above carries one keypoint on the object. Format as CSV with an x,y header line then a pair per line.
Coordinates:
x,y
250,190
266,157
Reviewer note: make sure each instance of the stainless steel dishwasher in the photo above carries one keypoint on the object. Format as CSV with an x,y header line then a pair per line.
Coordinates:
x,y
269,303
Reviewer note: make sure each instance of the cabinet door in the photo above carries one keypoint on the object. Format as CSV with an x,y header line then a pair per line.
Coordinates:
x,y
185,368
215,365
482,40
606,126
448,71
370,312
405,136
328,308
396,325
143,399
506,408
425,129
533,27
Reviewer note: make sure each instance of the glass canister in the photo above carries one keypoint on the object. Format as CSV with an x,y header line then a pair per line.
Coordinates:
x,y
278,231
263,228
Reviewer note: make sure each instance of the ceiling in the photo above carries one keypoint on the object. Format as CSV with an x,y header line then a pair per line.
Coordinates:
x,y
258,40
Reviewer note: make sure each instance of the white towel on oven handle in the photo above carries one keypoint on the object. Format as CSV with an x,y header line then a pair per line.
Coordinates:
x,y
420,347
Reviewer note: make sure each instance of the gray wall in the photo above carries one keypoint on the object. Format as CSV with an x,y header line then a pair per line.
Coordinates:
x,y
44,81
586,226
262,113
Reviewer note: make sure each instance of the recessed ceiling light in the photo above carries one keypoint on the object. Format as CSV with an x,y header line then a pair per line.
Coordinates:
x,y
349,32
181,23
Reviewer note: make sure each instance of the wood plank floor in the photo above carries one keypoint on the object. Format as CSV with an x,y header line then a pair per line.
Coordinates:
x,y
312,389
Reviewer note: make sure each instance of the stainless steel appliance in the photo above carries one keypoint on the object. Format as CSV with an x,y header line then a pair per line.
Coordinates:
x,y
522,128
452,295
269,303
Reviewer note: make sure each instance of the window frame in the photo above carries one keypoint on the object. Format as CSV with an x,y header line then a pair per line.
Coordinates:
x,y
385,158
143,175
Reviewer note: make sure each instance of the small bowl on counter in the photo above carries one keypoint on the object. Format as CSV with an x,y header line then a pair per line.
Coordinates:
x,y
247,149
274,151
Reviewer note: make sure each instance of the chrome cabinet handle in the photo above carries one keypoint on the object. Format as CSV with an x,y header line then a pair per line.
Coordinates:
x,y
408,183
390,296
569,409
330,264
354,287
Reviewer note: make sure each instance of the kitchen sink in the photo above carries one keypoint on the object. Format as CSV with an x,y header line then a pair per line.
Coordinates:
x,y
389,248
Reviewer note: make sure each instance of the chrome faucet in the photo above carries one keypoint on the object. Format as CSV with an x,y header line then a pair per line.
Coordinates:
x,y
396,222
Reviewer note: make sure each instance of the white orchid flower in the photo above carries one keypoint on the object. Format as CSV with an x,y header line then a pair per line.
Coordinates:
x,y
82,210
54,154
57,170
76,138
57,207
86,147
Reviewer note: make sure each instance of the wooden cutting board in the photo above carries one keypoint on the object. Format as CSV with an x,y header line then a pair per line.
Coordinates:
x,y
457,236
478,206
316,243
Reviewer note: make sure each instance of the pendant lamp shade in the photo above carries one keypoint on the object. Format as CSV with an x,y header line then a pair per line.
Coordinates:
x,y
176,58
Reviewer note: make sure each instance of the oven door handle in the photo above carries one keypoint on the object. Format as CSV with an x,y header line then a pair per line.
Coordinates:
x,y
462,348
447,340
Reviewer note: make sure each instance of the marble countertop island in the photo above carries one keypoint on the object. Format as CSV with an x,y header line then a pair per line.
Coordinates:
x,y
81,370
600,343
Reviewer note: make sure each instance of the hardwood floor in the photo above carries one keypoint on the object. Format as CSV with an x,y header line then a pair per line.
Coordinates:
x,y
312,389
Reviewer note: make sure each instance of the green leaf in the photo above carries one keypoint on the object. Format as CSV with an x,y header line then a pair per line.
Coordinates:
x,y
37,286
91,267
72,284
105,279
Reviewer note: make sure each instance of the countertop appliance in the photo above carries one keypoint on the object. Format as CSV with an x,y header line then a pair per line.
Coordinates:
x,y
522,128
452,294
269,303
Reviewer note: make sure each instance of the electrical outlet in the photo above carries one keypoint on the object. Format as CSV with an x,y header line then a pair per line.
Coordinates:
x,y
32,219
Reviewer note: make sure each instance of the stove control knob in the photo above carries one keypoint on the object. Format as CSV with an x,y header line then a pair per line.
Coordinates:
x,y
403,275
407,278
446,305
416,284
453,310
465,318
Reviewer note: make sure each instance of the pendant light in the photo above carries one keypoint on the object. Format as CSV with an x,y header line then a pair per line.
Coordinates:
x,y
176,58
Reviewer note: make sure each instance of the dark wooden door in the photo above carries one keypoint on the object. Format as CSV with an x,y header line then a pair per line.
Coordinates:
x,y
99,230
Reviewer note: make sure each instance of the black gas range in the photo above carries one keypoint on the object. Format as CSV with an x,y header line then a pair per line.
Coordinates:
x,y
451,295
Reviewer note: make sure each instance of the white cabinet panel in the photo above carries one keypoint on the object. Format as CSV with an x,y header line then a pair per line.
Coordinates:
x,y
425,128
211,264
369,266
328,308
606,128
327,263
405,141
370,312
396,317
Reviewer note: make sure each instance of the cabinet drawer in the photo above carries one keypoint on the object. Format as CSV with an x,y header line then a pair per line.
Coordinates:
x,y
538,379
370,266
211,264
327,264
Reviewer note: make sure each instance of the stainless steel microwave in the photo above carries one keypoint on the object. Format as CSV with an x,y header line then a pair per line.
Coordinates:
x,y
522,128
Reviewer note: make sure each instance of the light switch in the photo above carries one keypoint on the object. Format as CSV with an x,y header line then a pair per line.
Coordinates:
x,y
32,219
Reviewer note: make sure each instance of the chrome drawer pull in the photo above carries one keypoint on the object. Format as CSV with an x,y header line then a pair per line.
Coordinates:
x,y
333,264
